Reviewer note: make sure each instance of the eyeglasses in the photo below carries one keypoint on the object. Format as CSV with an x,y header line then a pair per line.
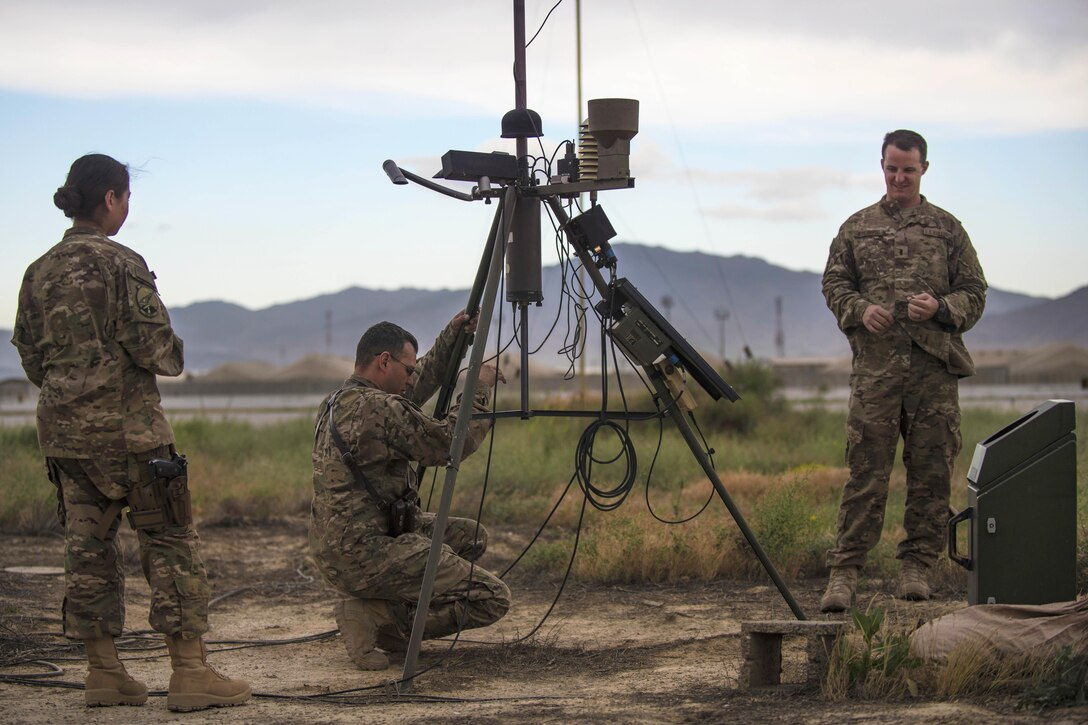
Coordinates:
x,y
410,369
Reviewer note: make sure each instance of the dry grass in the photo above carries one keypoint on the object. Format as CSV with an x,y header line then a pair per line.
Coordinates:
x,y
975,669
784,474
872,661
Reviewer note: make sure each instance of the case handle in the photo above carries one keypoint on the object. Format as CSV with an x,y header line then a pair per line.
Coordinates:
x,y
967,562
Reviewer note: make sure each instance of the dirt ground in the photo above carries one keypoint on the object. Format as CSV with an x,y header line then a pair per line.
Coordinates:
x,y
630,654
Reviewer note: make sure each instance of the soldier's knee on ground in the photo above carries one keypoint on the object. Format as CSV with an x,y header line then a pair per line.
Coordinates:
x,y
490,601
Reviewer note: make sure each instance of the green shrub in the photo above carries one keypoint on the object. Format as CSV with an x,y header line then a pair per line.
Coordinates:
x,y
877,665
791,524
1063,683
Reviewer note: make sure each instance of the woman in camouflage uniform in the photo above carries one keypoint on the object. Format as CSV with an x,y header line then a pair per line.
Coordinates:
x,y
93,334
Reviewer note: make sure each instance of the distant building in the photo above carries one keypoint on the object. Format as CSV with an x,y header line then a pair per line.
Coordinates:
x,y
1056,363
16,390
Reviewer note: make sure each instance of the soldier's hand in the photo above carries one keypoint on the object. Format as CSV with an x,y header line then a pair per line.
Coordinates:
x,y
462,319
489,373
922,306
876,319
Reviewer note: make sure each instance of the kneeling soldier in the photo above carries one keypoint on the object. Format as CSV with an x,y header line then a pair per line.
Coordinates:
x,y
367,534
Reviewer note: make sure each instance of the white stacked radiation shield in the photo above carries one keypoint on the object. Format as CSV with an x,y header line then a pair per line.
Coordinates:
x,y
587,153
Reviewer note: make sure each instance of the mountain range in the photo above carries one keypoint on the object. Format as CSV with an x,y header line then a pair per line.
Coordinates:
x,y
710,299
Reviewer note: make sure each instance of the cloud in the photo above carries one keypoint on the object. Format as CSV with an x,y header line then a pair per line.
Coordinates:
x,y
1000,66
779,194
784,212
1046,29
783,184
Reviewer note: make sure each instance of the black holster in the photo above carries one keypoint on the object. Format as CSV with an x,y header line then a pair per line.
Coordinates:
x,y
164,499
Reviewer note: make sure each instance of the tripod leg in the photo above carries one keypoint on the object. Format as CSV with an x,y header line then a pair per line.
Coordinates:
x,y
697,450
457,446
449,375
445,394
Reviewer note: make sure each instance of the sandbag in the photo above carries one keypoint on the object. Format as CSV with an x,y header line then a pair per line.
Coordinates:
x,y
1006,629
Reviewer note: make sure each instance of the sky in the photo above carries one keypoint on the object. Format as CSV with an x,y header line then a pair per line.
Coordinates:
x,y
257,129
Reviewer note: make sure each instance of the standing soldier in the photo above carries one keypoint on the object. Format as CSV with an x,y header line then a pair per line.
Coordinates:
x,y
367,534
904,284
93,334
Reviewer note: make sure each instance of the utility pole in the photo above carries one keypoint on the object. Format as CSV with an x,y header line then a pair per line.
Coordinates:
x,y
721,315
328,332
779,331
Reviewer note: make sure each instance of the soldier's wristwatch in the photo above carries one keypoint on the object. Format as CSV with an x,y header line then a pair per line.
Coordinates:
x,y
942,310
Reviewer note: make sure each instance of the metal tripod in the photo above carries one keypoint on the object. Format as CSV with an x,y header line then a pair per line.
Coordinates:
x,y
484,293
483,298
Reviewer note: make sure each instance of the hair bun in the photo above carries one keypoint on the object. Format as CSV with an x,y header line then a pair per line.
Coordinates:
x,y
68,200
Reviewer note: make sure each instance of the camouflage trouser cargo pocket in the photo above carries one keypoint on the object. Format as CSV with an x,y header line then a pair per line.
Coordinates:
x,y
179,582
193,593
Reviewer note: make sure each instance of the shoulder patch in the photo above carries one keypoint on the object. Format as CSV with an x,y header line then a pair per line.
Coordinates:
x,y
147,302
143,296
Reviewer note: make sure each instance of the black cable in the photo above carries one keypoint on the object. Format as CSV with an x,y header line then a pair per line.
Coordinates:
x,y
572,349
566,576
576,294
543,23
540,530
53,671
604,499
563,583
649,475
559,307
561,145
709,451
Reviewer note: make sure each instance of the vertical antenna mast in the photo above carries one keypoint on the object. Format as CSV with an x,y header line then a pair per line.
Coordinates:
x,y
581,341
522,143
522,147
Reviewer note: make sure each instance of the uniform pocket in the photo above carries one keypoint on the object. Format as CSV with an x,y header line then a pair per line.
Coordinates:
x,y
955,435
193,592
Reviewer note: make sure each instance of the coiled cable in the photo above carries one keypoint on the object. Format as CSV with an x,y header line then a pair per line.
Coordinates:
x,y
604,499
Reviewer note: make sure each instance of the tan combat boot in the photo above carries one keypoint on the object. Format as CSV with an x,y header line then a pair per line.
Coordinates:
x,y
912,581
194,685
841,586
359,620
390,640
107,681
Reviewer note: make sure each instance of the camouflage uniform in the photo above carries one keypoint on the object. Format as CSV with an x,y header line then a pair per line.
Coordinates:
x,y
349,534
93,334
905,380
